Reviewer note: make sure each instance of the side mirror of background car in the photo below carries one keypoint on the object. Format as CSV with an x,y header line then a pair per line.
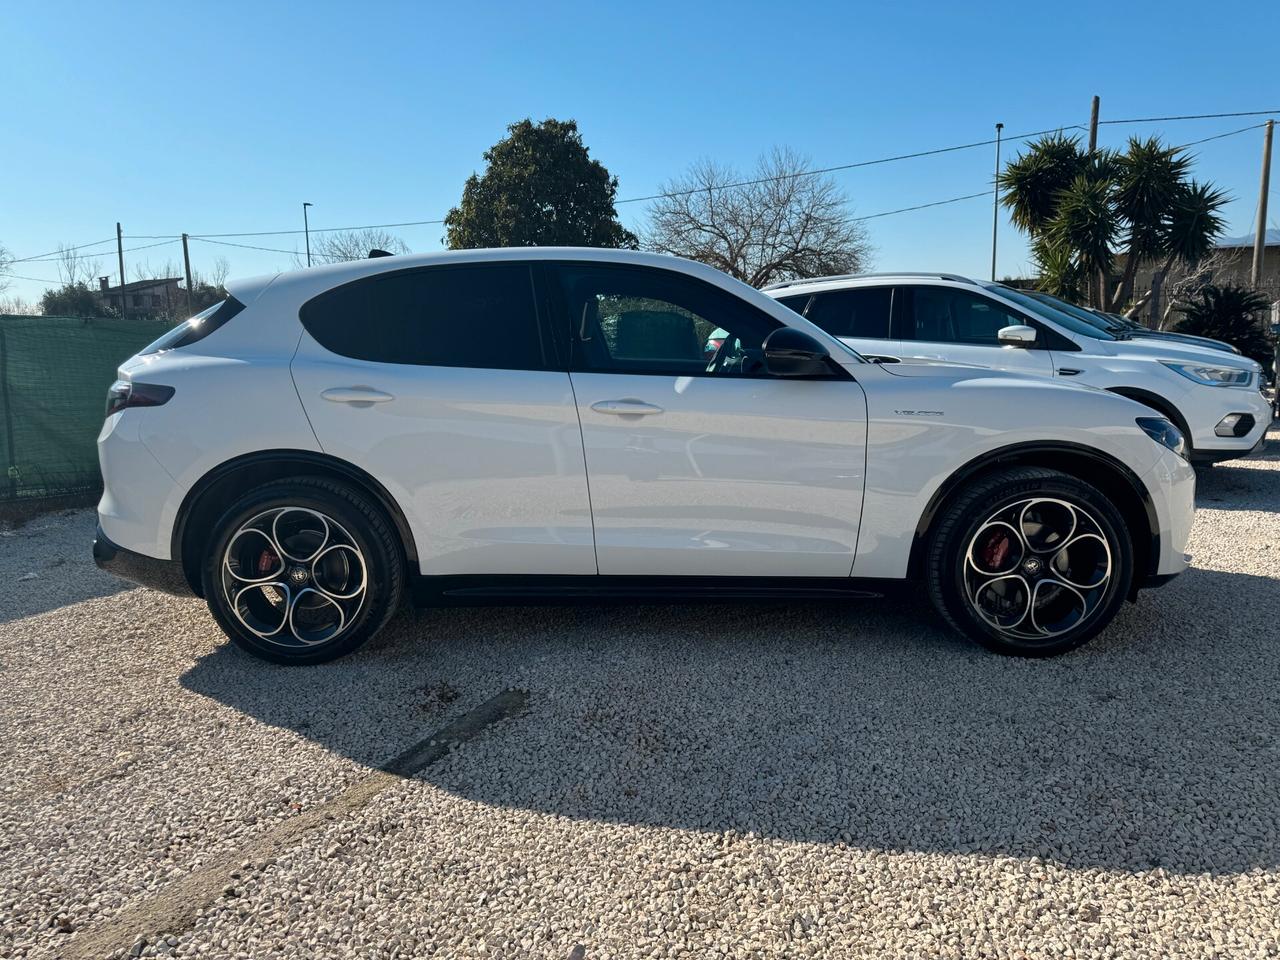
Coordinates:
x,y
1017,335
789,352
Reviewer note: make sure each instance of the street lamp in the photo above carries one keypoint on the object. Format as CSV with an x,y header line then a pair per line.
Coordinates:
x,y
995,204
306,230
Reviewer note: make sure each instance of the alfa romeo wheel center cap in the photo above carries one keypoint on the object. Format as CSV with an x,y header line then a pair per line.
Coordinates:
x,y
298,576
1033,566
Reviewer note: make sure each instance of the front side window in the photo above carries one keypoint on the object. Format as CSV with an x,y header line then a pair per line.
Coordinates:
x,y
477,315
861,312
948,315
650,321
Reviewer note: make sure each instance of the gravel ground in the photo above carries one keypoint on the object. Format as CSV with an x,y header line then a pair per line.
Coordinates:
x,y
685,781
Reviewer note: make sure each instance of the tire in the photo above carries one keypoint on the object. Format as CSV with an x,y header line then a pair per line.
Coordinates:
x,y
303,571
1029,534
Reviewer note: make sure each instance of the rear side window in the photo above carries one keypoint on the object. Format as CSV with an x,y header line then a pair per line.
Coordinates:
x,y
195,329
862,312
459,316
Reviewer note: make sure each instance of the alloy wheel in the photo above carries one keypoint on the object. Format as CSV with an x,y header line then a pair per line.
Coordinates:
x,y
1037,568
294,577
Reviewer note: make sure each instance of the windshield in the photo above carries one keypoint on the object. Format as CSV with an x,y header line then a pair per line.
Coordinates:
x,y
1091,317
1052,313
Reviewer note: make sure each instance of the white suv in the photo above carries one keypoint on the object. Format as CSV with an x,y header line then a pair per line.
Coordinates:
x,y
1213,397
531,423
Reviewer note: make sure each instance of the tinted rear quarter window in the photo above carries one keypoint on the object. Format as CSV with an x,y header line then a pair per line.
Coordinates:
x,y
195,329
796,303
479,315
862,312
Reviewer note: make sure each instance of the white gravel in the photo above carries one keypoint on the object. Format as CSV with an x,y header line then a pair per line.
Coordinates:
x,y
688,781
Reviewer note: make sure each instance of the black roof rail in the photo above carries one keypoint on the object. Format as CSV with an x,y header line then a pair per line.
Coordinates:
x,y
954,277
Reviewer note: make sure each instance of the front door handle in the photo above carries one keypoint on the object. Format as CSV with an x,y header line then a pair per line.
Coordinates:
x,y
355,396
628,407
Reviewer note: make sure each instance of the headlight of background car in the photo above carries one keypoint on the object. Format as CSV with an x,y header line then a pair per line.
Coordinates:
x,y
1164,433
1211,376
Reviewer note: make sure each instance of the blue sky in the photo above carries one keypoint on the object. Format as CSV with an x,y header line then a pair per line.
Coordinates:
x,y
223,118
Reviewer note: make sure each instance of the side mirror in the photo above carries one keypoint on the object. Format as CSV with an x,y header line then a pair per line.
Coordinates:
x,y
789,352
1017,336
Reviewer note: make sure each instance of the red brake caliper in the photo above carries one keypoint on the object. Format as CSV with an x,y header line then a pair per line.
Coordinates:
x,y
266,561
995,552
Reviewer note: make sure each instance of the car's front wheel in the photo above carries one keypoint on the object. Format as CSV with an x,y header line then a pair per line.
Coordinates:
x,y
1029,562
302,571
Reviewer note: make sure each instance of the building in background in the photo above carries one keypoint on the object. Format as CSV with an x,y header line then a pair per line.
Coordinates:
x,y
1230,262
141,297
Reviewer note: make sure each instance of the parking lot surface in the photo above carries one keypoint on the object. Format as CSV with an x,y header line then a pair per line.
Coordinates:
x,y
798,780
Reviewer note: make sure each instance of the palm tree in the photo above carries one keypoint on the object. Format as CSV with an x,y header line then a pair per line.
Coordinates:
x,y
1031,183
1086,223
1228,312
1060,272
1149,179
1193,223
1082,209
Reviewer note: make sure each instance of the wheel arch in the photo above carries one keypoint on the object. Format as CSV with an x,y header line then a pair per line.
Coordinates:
x,y
209,496
1155,402
1112,477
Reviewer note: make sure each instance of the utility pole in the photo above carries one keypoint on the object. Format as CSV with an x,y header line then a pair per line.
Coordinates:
x,y
1100,281
124,311
306,230
186,262
1260,236
995,203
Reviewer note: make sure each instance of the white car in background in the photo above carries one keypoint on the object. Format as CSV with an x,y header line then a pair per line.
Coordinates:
x,y
523,424
1215,398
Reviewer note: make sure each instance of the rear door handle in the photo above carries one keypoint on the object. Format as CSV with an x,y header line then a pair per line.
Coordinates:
x,y
355,396
628,407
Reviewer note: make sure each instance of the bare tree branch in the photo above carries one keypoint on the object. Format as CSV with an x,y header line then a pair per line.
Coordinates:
x,y
6,261
74,267
344,245
785,224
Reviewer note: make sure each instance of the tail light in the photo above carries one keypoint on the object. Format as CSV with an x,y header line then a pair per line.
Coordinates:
x,y
126,393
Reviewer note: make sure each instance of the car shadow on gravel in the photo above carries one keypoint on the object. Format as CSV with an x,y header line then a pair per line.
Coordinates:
x,y
1238,487
863,724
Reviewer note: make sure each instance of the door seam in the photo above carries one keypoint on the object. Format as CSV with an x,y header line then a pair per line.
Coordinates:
x,y
586,473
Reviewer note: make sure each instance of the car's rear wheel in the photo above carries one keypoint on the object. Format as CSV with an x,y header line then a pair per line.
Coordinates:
x,y
302,571
1029,562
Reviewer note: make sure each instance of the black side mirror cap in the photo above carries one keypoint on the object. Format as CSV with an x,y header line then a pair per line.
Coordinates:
x,y
789,352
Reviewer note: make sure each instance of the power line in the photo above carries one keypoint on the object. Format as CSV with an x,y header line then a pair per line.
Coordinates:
x,y
281,233
1196,116
842,166
18,276
249,246
242,246
48,259
1256,126
53,256
51,253
922,206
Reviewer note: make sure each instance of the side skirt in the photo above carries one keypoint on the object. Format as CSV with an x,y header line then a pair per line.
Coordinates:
x,y
519,590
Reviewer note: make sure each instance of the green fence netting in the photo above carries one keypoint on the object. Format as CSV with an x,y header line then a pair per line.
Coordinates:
x,y
54,374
